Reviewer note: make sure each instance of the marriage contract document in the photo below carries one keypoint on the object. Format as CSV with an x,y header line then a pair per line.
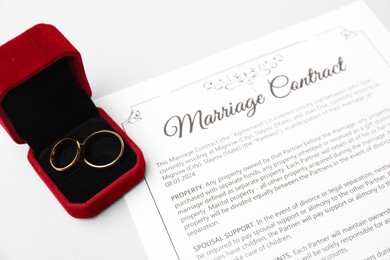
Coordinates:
x,y
277,149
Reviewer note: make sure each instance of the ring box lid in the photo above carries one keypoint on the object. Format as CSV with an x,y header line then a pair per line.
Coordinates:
x,y
29,54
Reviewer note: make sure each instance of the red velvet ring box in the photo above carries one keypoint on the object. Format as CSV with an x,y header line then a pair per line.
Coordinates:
x,y
45,97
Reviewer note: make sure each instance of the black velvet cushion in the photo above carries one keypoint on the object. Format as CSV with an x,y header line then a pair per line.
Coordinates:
x,y
81,182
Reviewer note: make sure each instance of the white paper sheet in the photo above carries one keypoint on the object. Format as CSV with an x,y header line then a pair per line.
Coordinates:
x,y
277,149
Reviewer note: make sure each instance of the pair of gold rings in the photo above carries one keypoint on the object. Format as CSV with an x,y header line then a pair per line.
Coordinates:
x,y
79,152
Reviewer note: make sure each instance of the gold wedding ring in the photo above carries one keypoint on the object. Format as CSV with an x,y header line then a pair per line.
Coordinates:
x,y
122,144
54,152
79,155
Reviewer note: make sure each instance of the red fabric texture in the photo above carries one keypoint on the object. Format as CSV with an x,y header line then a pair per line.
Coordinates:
x,y
25,56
